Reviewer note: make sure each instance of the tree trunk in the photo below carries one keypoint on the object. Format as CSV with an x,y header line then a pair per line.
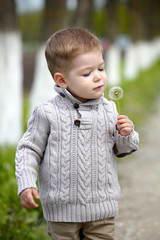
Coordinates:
x,y
137,21
10,75
111,7
155,18
84,14
8,19
55,17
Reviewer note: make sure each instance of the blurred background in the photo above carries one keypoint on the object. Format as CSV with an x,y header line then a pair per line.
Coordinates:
x,y
130,35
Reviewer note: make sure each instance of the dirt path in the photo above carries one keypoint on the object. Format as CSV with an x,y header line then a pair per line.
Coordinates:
x,y
139,213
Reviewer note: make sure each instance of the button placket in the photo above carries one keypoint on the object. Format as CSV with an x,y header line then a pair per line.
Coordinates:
x,y
77,122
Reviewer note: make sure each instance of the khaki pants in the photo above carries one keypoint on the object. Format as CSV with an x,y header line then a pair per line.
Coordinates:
x,y
102,229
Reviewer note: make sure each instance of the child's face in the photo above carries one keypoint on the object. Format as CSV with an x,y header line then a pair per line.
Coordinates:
x,y
86,78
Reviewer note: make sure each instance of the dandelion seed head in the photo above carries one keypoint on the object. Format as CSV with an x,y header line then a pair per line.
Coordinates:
x,y
115,93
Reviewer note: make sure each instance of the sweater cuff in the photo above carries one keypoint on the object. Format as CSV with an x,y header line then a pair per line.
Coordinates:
x,y
132,138
26,181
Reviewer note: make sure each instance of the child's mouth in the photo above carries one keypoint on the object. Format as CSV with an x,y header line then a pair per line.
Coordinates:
x,y
99,87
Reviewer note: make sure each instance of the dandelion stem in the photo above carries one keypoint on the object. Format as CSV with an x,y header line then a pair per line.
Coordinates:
x,y
118,106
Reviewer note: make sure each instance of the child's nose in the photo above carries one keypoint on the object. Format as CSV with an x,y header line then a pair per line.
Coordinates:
x,y
97,76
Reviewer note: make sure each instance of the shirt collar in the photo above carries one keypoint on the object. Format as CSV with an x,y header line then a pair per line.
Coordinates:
x,y
63,92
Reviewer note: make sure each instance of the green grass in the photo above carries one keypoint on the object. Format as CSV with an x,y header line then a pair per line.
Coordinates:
x,y
16,222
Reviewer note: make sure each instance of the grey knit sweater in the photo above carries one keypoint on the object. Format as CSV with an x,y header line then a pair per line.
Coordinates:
x,y
74,145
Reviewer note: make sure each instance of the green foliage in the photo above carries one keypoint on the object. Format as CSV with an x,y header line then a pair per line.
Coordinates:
x,y
100,23
30,26
16,223
123,18
140,94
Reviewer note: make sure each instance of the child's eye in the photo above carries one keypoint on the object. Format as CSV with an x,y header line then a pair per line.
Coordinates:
x,y
86,74
101,69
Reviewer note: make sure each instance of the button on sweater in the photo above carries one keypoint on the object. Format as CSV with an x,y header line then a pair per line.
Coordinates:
x,y
77,171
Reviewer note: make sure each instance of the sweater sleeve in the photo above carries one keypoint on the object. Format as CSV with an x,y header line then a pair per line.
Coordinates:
x,y
124,145
31,149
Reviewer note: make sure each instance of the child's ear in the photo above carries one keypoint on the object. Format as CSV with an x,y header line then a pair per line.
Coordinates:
x,y
59,79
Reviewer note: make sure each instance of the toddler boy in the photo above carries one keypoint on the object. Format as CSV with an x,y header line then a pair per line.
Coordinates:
x,y
73,138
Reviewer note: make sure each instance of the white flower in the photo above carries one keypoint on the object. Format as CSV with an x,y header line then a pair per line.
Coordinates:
x,y
115,93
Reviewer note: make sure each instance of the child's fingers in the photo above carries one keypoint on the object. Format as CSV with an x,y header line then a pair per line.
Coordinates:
x,y
124,125
123,121
122,117
35,193
125,132
27,200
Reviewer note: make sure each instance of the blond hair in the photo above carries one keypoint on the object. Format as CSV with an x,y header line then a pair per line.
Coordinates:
x,y
66,44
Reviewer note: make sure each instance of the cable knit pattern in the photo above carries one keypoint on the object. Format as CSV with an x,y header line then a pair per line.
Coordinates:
x,y
84,167
65,155
74,146
102,150
52,150
110,143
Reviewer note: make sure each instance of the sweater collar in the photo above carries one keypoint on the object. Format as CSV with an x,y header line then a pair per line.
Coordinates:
x,y
63,92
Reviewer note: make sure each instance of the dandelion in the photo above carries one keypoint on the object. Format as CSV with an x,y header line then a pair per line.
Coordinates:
x,y
116,93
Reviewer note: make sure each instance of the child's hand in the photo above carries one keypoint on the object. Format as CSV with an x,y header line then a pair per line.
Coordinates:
x,y
124,125
27,200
